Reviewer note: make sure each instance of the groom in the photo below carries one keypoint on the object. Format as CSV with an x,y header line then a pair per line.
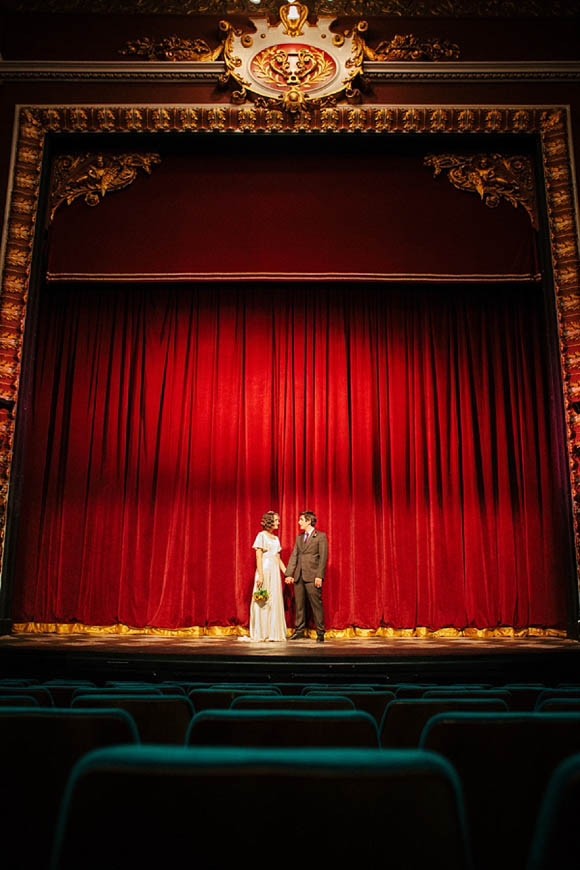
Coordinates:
x,y
305,570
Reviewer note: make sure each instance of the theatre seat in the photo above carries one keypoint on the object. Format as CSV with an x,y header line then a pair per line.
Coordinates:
x,y
555,841
549,694
41,693
117,690
373,701
292,702
38,748
221,699
212,808
159,718
559,705
504,763
283,728
248,687
404,720
471,694
21,701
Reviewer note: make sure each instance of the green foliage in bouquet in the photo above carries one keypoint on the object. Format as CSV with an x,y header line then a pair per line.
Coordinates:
x,y
261,596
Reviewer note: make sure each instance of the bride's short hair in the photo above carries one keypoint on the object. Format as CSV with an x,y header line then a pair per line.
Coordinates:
x,y
268,520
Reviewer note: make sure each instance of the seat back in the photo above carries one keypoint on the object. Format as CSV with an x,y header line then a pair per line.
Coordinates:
x,y
471,694
159,718
194,804
404,720
504,763
291,702
41,693
221,699
283,728
555,841
373,702
38,748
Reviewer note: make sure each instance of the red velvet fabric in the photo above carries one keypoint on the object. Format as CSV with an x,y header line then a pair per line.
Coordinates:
x,y
239,205
416,422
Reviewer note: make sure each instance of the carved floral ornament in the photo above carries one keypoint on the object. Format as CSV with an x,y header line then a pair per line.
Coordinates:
x,y
92,176
494,177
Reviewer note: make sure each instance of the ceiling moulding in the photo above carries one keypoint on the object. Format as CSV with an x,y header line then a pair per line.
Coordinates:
x,y
394,8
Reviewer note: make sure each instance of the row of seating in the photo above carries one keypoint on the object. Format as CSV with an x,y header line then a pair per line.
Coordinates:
x,y
503,761
347,808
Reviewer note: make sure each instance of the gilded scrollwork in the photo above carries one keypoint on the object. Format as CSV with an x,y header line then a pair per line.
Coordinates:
x,y
92,176
495,177
392,8
172,48
411,48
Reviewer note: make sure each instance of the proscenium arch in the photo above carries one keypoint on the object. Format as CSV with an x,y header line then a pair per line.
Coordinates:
x,y
23,238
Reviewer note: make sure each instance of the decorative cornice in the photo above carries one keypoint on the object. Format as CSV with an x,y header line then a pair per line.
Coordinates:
x,y
210,72
93,176
494,177
393,8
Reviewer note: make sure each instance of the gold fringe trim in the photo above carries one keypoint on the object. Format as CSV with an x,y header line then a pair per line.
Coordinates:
x,y
352,633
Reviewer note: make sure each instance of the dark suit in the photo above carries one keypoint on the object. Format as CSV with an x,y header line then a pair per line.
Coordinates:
x,y
307,562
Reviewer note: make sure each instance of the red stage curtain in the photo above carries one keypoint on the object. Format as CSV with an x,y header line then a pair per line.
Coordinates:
x,y
416,422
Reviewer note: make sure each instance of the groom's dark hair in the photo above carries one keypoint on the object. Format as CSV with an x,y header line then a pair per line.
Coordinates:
x,y
311,517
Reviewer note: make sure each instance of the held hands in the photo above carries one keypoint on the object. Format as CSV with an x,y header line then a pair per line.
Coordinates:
x,y
318,582
289,579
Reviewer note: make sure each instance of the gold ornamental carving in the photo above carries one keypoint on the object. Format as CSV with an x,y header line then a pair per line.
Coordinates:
x,y
172,48
294,63
391,8
494,177
413,49
92,176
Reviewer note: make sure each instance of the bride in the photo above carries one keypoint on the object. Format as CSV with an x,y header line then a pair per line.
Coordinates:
x,y
267,621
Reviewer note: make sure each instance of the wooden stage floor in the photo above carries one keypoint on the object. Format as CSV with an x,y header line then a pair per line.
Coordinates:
x,y
145,656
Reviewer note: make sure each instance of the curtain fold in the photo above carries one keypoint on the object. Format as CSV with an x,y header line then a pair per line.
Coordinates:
x,y
416,423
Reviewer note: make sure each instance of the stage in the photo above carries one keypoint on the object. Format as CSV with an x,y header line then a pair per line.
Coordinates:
x,y
143,656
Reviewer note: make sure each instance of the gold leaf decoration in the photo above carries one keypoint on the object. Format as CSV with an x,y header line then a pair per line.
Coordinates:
x,y
495,177
92,176
172,48
411,48
393,8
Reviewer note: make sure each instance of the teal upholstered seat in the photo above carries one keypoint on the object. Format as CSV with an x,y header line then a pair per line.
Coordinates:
x,y
555,841
292,702
38,748
159,718
283,728
404,720
221,699
211,808
471,693
373,701
559,705
41,693
504,763
20,701
561,692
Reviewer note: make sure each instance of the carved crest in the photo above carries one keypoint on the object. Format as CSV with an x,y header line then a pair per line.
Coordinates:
x,y
292,62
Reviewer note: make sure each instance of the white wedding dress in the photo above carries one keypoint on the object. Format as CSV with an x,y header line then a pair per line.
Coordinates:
x,y
267,621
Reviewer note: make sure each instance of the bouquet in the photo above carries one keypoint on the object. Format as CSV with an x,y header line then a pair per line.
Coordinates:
x,y
261,596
